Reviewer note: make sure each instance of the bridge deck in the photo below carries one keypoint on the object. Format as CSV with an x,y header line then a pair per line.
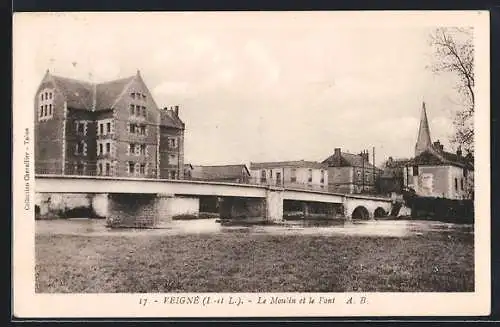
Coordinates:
x,y
106,184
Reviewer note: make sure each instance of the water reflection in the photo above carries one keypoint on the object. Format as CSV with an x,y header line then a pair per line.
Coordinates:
x,y
377,228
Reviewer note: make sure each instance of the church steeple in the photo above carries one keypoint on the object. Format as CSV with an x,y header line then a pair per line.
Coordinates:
x,y
424,133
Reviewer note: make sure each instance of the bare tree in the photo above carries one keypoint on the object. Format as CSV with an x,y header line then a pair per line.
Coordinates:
x,y
453,52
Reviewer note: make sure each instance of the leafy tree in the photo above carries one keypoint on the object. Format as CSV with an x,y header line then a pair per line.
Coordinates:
x,y
453,52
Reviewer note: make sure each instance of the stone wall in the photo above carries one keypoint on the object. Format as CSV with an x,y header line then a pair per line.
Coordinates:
x,y
132,210
63,205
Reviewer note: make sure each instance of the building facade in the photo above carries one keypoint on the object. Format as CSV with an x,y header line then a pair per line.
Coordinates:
x,y
391,179
105,129
351,173
434,172
299,174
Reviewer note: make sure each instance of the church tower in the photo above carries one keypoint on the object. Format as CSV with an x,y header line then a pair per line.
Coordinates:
x,y
424,133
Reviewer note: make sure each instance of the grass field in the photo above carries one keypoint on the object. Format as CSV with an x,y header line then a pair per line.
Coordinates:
x,y
243,262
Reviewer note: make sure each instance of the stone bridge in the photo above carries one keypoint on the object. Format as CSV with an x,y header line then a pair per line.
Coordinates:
x,y
148,202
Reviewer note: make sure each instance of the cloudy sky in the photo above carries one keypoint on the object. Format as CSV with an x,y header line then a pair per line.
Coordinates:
x,y
259,86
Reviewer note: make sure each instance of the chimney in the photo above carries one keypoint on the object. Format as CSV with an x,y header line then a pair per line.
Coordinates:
x,y
459,152
438,146
176,110
337,152
364,155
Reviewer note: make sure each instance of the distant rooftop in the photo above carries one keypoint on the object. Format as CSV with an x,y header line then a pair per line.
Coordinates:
x,y
283,164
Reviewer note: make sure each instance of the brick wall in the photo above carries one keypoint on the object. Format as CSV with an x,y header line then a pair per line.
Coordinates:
x,y
73,137
132,210
165,151
49,133
123,137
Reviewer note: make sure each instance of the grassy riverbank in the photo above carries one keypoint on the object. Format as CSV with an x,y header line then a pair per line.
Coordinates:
x,y
242,262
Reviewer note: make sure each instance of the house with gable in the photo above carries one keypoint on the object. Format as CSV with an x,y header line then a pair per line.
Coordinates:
x,y
113,128
351,173
434,172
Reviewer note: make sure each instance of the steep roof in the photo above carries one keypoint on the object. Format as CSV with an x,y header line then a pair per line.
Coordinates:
x,y
102,96
169,118
424,133
107,93
78,94
292,164
348,160
219,172
432,156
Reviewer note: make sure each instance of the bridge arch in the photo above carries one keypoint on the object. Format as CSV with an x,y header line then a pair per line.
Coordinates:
x,y
360,212
379,212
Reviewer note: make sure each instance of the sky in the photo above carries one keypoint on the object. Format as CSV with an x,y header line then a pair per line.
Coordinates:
x,y
259,86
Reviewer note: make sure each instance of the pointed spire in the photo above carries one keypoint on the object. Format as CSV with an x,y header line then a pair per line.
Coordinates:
x,y
424,133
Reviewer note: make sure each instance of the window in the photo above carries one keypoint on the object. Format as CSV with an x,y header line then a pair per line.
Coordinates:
x,y
101,129
293,177
81,148
172,142
310,176
143,111
456,184
173,174
46,105
462,184
271,173
143,97
137,110
322,180
142,169
465,172
132,95
132,109
143,130
131,149
78,148
99,169
80,127
108,127
100,149
131,167
263,176
415,170
131,128
108,147
108,168
143,149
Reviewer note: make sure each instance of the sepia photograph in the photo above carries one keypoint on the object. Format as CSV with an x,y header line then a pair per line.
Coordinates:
x,y
252,153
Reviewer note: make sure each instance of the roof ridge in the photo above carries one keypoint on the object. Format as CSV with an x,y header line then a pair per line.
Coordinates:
x,y
72,79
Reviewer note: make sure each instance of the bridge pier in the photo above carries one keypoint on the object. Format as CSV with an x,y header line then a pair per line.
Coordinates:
x,y
274,205
269,208
148,210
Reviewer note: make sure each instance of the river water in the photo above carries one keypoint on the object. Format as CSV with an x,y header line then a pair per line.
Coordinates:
x,y
376,228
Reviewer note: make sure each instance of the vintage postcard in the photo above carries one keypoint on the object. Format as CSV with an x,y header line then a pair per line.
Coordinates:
x,y
251,164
